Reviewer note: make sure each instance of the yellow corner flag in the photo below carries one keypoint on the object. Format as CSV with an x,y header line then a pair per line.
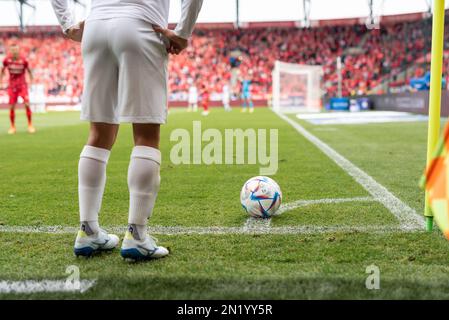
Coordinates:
x,y
436,183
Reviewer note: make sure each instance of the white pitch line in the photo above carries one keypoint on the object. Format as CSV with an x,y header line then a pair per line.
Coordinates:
x,y
251,225
264,225
46,286
302,203
407,216
163,230
257,224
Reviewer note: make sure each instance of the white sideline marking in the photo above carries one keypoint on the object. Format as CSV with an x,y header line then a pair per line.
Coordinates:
x,y
163,230
251,225
47,286
408,217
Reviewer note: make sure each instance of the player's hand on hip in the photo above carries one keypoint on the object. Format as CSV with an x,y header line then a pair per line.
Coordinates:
x,y
75,33
177,44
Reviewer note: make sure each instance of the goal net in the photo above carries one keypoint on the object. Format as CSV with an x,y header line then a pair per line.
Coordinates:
x,y
296,88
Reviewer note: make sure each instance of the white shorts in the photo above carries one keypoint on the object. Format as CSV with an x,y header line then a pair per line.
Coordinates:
x,y
125,72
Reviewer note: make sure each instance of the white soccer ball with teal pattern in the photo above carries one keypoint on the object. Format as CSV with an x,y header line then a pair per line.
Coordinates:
x,y
261,197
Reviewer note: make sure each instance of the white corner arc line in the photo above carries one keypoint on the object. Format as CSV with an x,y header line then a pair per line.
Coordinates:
x,y
407,216
44,286
261,225
302,203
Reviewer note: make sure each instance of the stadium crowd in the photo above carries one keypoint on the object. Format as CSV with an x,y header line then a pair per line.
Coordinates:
x,y
215,57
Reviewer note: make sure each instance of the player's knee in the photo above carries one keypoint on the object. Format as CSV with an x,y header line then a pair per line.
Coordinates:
x,y
102,136
101,141
149,141
146,135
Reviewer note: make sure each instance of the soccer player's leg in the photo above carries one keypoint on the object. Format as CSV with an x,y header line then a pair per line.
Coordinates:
x,y
99,103
227,105
205,105
12,110
143,184
244,103
12,118
143,59
91,182
26,100
251,104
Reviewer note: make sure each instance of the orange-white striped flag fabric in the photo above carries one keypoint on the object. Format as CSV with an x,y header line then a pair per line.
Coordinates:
x,y
436,180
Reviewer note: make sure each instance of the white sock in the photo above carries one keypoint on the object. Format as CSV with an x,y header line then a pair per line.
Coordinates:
x,y
91,182
143,184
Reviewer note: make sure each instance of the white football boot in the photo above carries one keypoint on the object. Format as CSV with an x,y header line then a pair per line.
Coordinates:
x,y
137,250
88,245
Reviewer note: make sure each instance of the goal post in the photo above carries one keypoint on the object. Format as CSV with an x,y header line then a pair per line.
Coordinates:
x,y
296,87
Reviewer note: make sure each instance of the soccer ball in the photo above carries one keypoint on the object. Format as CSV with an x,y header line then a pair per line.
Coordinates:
x,y
261,197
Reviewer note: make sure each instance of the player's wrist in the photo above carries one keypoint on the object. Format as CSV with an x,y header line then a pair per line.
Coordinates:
x,y
182,35
66,29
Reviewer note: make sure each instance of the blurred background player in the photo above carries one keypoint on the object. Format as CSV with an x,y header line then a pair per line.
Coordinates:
x,y
205,97
17,67
226,97
246,94
193,98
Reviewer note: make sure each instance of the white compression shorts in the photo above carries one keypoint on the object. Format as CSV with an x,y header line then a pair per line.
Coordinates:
x,y
125,72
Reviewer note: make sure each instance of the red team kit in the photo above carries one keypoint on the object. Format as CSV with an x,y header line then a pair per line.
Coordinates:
x,y
18,87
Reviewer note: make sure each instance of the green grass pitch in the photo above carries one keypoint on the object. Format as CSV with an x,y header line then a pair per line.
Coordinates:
x,y
38,188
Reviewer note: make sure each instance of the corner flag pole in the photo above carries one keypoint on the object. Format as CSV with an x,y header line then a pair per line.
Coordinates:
x,y
436,71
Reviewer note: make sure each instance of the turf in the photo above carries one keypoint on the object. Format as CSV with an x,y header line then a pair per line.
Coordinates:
x,y
38,188
380,149
350,214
